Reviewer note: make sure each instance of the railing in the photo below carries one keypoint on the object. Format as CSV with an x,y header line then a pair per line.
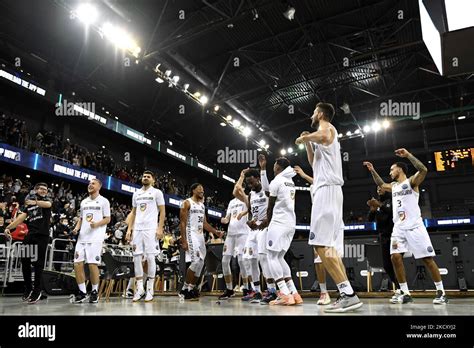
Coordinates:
x,y
5,258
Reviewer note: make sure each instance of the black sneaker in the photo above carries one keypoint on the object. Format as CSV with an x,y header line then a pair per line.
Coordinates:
x,y
94,297
257,298
227,294
183,293
26,295
43,296
81,297
245,292
35,296
195,294
267,299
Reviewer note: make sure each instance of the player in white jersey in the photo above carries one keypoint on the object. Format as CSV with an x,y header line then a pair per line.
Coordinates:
x,y
192,224
281,222
409,232
326,212
145,231
324,298
237,234
257,203
92,224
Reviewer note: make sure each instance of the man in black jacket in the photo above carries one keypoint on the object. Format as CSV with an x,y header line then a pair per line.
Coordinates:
x,y
36,213
381,212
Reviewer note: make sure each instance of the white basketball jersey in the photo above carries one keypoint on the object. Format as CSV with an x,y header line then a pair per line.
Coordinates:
x,y
406,211
93,210
258,205
283,188
236,206
146,203
327,164
195,218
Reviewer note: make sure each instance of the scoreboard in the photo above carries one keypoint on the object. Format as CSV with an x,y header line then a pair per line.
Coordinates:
x,y
452,160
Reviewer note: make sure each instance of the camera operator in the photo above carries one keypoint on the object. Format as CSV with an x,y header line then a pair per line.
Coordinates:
x,y
381,212
37,215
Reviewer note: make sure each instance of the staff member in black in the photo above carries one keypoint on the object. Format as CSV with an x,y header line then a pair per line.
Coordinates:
x,y
381,212
36,213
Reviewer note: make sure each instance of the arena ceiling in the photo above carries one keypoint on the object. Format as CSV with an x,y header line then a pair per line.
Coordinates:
x,y
249,59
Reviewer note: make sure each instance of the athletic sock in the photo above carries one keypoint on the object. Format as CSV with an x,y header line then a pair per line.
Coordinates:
x,y
404,288
228,286
191,286
82,287
345,287
140,285
283,288
439,286
271,288
257,288
185,286
150,284
95,287
291,286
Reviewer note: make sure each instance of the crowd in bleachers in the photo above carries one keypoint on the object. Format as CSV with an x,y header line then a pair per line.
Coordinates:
x,y
14,132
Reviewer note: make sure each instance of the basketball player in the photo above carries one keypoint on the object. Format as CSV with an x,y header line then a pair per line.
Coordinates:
x,y
92,224
148,204
409,232
326,213
257,203
281,222
324,298
192,222
237,234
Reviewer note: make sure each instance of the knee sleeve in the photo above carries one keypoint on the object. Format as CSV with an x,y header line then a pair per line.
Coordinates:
x,y
284,265
254,270
243,270
197,266
138,266
226,265
151,262
263,260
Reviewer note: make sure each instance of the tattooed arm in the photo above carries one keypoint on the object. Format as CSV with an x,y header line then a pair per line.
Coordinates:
x,y
378,180
420,175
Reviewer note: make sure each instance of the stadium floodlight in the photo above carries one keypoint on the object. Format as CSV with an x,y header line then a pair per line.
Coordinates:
x,y
349,133
203,99
386,124
283,152
216,108
246,132
159,80
366,128
120,38
301,146
86,13
186,86
262,142
236,123
459,14
290,150
376,126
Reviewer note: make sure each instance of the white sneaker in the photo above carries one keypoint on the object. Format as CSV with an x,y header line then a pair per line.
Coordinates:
x,y
324,299
138,295
149,296
398,293
344,303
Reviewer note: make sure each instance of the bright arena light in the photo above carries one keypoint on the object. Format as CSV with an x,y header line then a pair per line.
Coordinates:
x,y
216,108
301,146
349,133
376,126
86,13
283,152
203,99
290,150
236,123
262,142
357,131
120,38
228,118
385,124
366,128
246,132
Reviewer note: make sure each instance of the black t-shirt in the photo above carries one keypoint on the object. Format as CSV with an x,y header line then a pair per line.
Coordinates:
x,y
38,219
